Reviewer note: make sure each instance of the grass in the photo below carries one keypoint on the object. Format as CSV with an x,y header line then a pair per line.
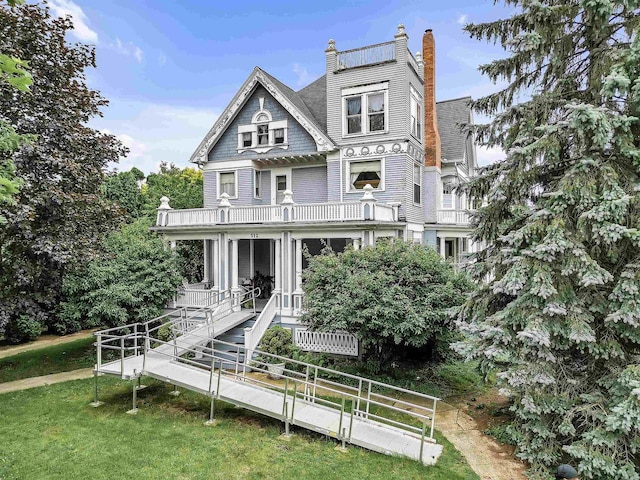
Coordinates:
x,y
52,433
53,359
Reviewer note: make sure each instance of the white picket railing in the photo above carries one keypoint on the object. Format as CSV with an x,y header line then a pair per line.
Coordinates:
x,y
195,297
305,212
253,335
339,343
458,217
193,216
327,211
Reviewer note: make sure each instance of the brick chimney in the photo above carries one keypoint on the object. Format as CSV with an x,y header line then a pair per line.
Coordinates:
x,y
431,136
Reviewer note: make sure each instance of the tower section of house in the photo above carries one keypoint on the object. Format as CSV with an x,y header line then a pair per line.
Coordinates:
x,y
374,114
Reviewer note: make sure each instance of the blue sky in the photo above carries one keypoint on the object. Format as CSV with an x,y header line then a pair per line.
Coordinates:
x,y
169,68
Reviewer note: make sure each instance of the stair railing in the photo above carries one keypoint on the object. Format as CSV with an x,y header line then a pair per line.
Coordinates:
x,y
253,334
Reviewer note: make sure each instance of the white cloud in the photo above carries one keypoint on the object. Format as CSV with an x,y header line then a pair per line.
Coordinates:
x,y
127,49
303,76
81,30
487,156
155,132
462,19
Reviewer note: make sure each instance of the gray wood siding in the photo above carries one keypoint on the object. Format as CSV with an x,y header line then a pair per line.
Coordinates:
x,y
333,181
396,73
297,137
414,212
209,187
431,194
245,187
309,185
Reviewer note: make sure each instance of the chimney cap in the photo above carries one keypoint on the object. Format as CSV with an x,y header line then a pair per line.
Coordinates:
x,y
428,30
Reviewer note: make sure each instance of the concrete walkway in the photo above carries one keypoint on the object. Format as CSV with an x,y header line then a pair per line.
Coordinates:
x,y
44,380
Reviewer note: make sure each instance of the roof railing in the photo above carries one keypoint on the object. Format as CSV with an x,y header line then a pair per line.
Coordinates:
x,y
369,55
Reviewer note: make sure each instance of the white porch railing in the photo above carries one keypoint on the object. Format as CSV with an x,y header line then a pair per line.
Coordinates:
x,y
458,217
340,343
365,210
196,297
253,335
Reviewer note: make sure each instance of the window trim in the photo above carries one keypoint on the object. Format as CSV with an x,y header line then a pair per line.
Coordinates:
x,y
363,93
417,168
380,188
453,197
257,184
271,127
218,184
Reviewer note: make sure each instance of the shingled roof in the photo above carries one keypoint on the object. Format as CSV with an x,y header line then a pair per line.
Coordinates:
x,y
453,116
315,96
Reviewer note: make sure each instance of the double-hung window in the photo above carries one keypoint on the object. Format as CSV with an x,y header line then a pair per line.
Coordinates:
x,y
417,184
365,109
228,183
263,134
447,196
416,117
257,183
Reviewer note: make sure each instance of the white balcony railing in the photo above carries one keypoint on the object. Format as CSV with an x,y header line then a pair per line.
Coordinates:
x,y
340,343
225,213
457,217
370,55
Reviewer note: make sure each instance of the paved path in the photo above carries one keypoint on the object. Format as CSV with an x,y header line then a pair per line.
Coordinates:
x,y
32,382
42,342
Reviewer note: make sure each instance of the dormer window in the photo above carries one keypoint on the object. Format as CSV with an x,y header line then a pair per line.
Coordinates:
x,y
365,109
278,136
263,133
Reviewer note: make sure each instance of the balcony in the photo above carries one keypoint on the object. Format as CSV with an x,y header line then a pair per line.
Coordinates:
x,y
366,209
371,55
453,217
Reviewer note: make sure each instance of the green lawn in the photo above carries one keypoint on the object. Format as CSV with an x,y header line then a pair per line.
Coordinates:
x,y
43,361
53,433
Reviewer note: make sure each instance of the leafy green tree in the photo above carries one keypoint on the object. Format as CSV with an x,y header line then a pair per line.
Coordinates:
x,y
58,217
184,188
132,282
392,296
559,319
123,188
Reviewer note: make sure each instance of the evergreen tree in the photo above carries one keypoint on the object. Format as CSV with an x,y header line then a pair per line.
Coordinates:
x,y
559,319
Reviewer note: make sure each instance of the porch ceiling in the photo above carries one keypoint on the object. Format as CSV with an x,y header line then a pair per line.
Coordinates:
x,y
295,159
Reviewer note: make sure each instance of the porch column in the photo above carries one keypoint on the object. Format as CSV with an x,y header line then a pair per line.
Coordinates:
x,y
298,266
442,247
356,243
251,259
278,273
173,245
207,260
216,263
290,265
234,264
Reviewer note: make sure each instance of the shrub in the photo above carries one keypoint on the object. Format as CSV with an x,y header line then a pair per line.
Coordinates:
x,y
276,341
23,328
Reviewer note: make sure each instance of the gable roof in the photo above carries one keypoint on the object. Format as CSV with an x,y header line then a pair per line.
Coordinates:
x,y
284,95
314,96
453,115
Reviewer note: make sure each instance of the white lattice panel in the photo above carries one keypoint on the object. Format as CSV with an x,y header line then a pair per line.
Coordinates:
x,y
339,343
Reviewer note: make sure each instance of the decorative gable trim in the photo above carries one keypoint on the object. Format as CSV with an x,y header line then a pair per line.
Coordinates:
x,y
323,143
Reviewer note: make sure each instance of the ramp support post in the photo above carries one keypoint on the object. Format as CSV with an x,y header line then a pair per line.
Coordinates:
x,y
134,410
96,402
175,392
212,420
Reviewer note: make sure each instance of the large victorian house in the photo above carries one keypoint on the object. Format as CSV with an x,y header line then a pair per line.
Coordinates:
x,y
364,152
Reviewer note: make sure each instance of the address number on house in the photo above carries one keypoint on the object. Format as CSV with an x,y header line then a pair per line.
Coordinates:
x,y
254,235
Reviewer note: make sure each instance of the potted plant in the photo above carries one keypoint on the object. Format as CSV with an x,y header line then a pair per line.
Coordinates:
x,y
276,341
264,283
